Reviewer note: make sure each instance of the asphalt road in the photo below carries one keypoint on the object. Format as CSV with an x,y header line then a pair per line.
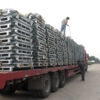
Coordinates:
x,y
74,89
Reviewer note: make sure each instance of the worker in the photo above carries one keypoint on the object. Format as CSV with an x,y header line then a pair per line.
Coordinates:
x,y
81,65
64,23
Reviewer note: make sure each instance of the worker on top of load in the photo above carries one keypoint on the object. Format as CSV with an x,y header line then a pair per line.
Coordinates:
x,y
81,65
64,23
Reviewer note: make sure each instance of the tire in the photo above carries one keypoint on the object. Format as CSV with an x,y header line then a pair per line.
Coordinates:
x,y
54,81
8,90
45,91
25,86
62,79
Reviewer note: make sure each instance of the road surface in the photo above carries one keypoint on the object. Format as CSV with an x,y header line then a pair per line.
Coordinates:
x,y
74,89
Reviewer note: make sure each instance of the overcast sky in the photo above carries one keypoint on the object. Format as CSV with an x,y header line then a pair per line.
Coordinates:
x,y
84,17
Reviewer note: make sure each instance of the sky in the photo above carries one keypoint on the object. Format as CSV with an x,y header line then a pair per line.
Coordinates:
x,y
84,18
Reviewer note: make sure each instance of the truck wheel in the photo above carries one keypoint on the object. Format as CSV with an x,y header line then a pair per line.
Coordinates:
x,y
54,81
45,91
8,90
62,79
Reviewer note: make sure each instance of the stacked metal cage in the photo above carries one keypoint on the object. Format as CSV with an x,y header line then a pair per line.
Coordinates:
x,y
39,41
27,42
51,45
59,47
81,53
75,53
65,54
15,40
69,51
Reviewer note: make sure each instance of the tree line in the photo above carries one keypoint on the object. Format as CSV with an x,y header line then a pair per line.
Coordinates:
x,y
93,58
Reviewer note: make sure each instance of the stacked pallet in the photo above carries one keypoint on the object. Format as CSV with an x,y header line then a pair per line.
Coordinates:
x,y
50,38
59,47
39,41
15,40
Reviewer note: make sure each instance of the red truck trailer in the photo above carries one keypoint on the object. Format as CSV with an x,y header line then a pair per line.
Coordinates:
x,y
42,81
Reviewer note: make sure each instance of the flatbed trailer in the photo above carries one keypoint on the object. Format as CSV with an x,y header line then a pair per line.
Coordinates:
x,y
42,81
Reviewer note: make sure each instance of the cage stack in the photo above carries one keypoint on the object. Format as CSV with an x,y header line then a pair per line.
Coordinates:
x,y
15,40
75,53
50,38
59,47
81,53
72,49
69,50
39,41
64,47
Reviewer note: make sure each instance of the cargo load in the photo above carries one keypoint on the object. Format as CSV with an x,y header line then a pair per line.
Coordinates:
x,y
51,45
15,40
26,42
39,41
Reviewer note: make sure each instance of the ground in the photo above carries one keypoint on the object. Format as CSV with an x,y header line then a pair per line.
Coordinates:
x,y
74,89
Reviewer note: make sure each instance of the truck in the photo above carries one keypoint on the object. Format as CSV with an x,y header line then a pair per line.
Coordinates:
x,y
40,80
